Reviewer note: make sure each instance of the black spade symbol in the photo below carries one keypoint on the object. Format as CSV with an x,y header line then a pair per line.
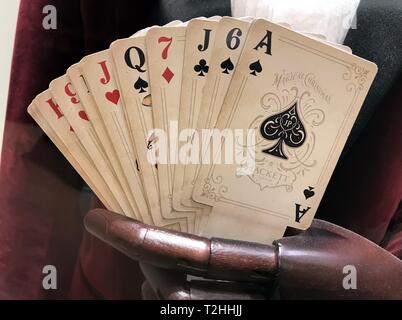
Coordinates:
x,y
286,127
201,68
141,85
309,193
227,66
255,68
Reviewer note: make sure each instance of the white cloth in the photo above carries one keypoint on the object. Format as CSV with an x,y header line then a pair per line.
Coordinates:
x,y
332,19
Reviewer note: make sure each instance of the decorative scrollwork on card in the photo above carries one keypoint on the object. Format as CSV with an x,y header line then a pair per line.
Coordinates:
x,y
213,188
358,75
286,113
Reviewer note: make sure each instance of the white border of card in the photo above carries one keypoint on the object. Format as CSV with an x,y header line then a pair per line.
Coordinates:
x,y
297,93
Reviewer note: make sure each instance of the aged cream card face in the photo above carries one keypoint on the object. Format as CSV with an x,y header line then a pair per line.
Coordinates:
x,y
230,38
46,108
301,98
66,96
129,56
165,52
98,72
200,38
33,110
88,103
130,62
220,127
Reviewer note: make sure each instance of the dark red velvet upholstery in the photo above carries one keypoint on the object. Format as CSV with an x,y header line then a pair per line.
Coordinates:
x,y
42,200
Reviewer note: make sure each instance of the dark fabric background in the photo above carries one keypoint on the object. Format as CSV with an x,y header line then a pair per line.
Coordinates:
x,y
43,201
377,38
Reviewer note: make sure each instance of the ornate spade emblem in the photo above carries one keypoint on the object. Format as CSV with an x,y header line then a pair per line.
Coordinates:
x,y
286,127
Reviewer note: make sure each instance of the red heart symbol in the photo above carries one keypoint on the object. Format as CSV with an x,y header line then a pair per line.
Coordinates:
x,y
113,96
83,115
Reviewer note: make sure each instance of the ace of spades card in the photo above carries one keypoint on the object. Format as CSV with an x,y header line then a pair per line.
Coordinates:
x,y
301,97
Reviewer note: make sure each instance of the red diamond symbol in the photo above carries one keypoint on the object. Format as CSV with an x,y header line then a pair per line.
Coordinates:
x,y
168,75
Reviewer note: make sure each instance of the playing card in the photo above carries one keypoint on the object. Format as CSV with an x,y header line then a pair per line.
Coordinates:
x,y
89,105
300,97
200,37
165,53
43,124
230,37
98,72
49,111
272,107
66,97
130,62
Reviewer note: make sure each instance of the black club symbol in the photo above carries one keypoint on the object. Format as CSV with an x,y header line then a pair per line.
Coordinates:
x,y
201,68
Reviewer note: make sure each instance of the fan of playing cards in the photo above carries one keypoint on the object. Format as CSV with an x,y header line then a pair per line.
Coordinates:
x,y
219,127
